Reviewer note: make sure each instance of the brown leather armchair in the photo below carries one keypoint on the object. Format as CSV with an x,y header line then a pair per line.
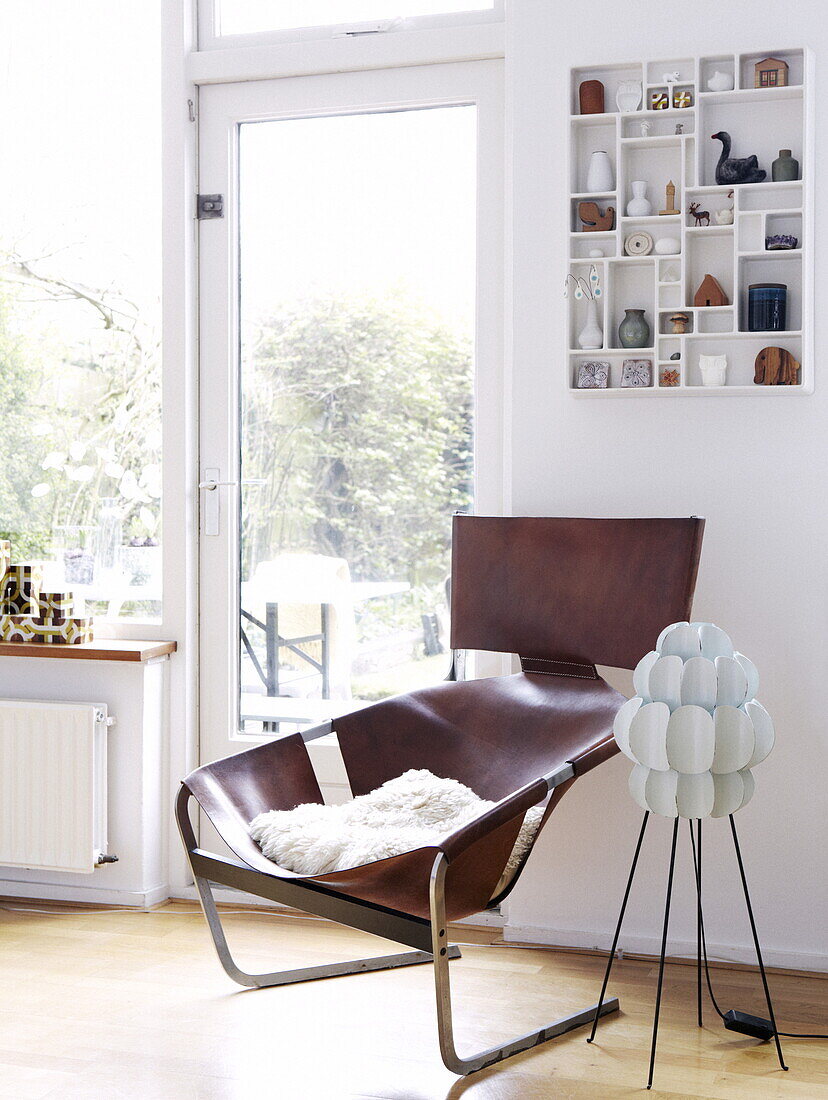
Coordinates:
x,y
563,595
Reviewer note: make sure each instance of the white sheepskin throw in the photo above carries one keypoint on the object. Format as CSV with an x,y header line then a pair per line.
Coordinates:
x,y
412,811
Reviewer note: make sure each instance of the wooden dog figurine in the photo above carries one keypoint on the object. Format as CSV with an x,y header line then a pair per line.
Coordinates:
x,y
594,221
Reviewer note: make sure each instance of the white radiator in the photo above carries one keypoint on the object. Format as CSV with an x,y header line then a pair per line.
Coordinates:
x,y
52,785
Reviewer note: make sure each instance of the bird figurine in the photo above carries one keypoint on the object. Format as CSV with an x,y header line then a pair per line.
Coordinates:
x,y
736,169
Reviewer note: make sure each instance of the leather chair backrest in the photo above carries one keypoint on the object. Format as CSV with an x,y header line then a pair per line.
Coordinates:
x,y
590,591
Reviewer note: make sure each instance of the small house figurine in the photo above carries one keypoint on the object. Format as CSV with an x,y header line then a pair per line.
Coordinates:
x,y
770,73
659,101
710,293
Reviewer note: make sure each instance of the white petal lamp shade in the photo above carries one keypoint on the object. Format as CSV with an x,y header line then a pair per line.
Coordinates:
x,y
694,728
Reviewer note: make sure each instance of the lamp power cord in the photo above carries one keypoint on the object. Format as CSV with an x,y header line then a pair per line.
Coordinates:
x,y
733,1020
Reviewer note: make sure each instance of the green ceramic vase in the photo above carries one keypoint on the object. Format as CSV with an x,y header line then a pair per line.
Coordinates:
x,y
634,332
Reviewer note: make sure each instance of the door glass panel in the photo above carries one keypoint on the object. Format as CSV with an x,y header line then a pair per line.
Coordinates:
x,y
357,274
250,16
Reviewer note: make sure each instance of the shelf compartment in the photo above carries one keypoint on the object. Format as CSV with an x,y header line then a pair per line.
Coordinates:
x,y
662,125
603,200
631,284
610,76
741,356
795,60
719,321
708,254
581,244
578,307
772,267
656,71
751,232
669,297
789,224
725,63
665,327
589,137
710,202
770,197
760,132
656,166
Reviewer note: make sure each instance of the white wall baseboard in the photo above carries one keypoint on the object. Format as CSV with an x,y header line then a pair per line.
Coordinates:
x,y
44,891
651,945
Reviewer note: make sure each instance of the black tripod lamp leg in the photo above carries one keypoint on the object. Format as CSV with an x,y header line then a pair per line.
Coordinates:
x,y
618,926
698,869
663,951
756,942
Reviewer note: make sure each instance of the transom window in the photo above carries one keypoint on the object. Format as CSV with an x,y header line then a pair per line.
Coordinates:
x,y
222,19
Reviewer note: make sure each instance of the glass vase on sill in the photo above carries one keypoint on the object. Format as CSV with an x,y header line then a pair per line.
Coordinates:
x,y
108,565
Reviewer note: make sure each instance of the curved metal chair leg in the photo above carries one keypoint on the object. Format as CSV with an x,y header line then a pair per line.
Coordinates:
x,y
442,953
303,974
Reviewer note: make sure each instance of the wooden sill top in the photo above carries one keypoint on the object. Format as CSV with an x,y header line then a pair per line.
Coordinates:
x,y
106,649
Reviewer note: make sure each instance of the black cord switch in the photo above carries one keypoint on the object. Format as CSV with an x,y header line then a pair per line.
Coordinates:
x,y
743,1022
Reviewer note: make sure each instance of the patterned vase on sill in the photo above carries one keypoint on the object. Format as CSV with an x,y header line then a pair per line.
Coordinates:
x,y
634,332
591,336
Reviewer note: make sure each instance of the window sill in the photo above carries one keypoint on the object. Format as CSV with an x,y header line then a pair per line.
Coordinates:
x,y
106,649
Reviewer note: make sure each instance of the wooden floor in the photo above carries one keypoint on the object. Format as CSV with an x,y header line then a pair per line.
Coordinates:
x,y
112,1005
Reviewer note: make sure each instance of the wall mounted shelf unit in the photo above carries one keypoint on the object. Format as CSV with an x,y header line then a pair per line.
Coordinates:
x,y
760,121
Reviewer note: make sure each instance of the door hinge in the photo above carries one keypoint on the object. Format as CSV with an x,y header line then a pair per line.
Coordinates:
x,y
209,206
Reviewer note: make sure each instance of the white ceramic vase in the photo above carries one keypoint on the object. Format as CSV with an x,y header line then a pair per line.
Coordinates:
x,y
639,205
591,336
599,176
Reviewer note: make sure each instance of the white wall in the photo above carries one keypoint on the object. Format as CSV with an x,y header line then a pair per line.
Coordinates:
x,y
755,468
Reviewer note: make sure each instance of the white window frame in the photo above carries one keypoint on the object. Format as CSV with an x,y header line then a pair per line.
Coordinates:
x,y
209,38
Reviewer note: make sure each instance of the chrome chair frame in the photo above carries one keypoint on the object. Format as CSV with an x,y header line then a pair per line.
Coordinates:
x,y
427,937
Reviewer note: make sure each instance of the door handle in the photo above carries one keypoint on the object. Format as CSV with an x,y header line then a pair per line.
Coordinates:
x,y
210,484
211,511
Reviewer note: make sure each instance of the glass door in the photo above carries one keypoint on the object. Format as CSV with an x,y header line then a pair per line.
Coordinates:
x,y
348,386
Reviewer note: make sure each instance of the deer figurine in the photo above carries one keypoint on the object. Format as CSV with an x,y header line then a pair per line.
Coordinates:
x,y
702,217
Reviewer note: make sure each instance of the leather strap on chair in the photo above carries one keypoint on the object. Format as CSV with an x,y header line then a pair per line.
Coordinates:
x,y
545,666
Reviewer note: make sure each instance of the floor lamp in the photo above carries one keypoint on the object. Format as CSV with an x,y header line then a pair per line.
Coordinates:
x,y
694,730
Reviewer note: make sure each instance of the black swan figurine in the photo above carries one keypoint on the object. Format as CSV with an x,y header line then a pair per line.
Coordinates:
x,y
732,170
